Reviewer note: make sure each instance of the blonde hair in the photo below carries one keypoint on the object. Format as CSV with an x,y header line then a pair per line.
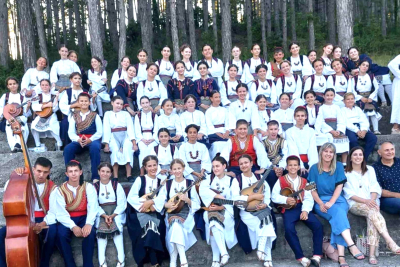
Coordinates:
x,y
332,166
348,94
285,61
177,161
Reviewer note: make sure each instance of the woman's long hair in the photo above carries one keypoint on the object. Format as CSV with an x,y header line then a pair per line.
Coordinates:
x,y
332,165
349,164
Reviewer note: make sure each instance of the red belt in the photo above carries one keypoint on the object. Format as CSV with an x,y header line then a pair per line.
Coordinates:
x,y
147,131
195,162
121,129
219,125
39,214
330,120
85,135
304,158
77,213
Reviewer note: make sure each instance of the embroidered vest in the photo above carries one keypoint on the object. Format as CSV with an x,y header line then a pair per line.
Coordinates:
x,y
273,149
276,72
240,180
45,197
88,126
75,206
237,151
142,190
168,185
286,182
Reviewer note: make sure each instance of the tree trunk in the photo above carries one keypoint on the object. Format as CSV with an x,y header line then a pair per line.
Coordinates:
x,y
4,50
174,30
332,21
398,13
277,21
284,25
150,32
263,37
145,27
344,16
268,6
16,22
84,29
26,31
226,30
79,29
96,44
311,34
249,26
130,11
205,14
100,20
215,26
122,30
383,17
40,28
49,21
293,19
64,25
112,23
71,22
168,21
56,22
180,13
192,29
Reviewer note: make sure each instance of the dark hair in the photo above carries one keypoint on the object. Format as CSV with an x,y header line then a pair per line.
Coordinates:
x,y
47,62
192,126
72,75
44,162
309,52
241,122
296,158
233,66
98,59
153,64
252,47
261,66
163,130
44,80
62,46
142,50
214,92
353,47
292,44
179,62
83,94
336,60
75,163
131,66
329,90
317,60
272,123
205,46
105,164
166,46
143,97
309,92
365,60
70,52
336,47
300,109
117,97
189,96
286,94
278,49
245,156
149,158
202,63
11,78
165,102
122,59
242,85
349,165
221,160
259,97
183,47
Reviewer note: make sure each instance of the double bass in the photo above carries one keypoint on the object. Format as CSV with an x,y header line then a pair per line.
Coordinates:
x,y
22,244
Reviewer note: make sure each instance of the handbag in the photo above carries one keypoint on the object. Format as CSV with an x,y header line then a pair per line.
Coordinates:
x,y
329,251
362,244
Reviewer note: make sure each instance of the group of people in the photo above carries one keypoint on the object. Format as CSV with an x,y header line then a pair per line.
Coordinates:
x,y
203,132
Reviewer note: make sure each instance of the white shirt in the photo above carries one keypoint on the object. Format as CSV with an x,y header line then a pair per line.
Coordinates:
x,y
115,77
240,71
283,115
96,79
364,85
320,84
306,68
194,152
355,115
264,88
196,117
33,76
72,128
37,106
13,98
247,111
329,112
63,67
153,89
291,86
215,116
229,89
108,190
164,154
114,120
190,71
65,107
133,196
166,67
171,122
146,123
312,116
327,67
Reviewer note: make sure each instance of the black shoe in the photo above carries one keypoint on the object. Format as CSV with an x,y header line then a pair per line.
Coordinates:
x,y
131,179
17,148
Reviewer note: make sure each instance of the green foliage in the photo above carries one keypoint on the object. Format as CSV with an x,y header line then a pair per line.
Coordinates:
x,y
16,69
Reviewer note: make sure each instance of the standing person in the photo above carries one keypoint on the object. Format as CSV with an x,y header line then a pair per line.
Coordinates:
x,y
362,192
357,125
111,215
340,81
46,127
337,54
300,212
141,67
193,116
73,55
32,77
97,79
264,86
387,169
165,65
13,140
219,220
216,67
240,64
274,71
395,116
178,88
291,84
301,65
85,131
126,88
312,107
330,204
228,89
62,69
204,86
119,137
326,57
190,65
152,88
284,115
317,82
179,224
146,226
171,121
77,207
365,91
120,73
146,128
312,56
252,63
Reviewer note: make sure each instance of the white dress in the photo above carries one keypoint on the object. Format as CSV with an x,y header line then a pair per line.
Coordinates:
x,y
241,70
364,85
190,71
31,79
290,86
145,128
264,88
153,90
327,66
171,122
120,143
305,68
98,83
394,67
196,117
247,111
165,158
191,153
228,90
285,117
319,86
116,77
341,85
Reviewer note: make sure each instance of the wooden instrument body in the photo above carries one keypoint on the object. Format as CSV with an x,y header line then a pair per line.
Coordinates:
x,y
287,192
14,109
176,201
145,198
251,190
46,112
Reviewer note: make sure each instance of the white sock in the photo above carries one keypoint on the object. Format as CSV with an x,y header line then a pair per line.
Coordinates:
x,y
220,240
261,243
182,253
101,246
374,122
267,250
119,244
215,249
173,256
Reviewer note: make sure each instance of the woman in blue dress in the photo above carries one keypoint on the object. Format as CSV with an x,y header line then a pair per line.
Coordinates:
x,y
330,203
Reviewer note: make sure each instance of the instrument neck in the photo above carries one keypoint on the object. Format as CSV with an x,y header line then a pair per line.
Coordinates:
x,y
261,181
297,193
222,201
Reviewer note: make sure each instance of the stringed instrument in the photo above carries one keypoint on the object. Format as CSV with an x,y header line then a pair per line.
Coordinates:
x,y
220,202
289,192
152,195
22,246
177,201
102,89
16,110
46,112
258,187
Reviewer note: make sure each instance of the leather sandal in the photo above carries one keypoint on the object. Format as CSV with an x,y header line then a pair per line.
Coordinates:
x,y
357,255
394,248
372,260
343,264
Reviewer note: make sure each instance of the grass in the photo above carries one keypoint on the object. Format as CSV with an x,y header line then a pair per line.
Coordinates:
x,y
382,60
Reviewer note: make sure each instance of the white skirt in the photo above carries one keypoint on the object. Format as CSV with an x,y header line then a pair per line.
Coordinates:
x,y
46,125
121,157
229,229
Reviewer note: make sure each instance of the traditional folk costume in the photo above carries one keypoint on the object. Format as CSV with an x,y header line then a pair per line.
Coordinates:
x,y
48,236
394,66
247,111
218,120
274,71
141,72
241,65
178,90
173,124
331,118
112,200
31,80
154,90
46,127
179,226
83,126
128,92
14,140
305,202
266,88
317,83
216,69
342,84
166,71
165,156
250,69
146,229
60,71
327,66
76,206
146,127
285,117
252,146
119,74
196,117
118,133
191,71
292,86
301,66
219,225
202,91
98,84
357,121
196,158
366,86
228,92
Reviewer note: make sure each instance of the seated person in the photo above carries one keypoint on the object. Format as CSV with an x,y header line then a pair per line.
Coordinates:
x,y
301,212
243,143
77,207
46,189
85,131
